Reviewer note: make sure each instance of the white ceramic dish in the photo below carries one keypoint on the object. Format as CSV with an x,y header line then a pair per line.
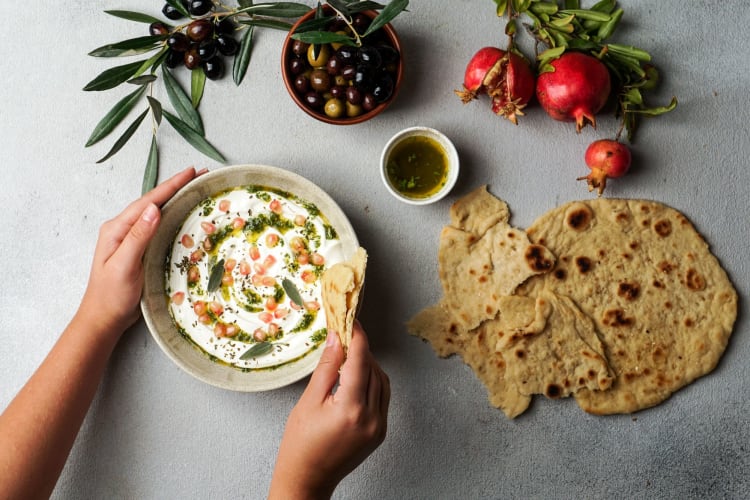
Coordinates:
x,y
452,158
154,302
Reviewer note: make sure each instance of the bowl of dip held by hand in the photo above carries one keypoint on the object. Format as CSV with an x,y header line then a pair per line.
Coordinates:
x,y
232,288
419,165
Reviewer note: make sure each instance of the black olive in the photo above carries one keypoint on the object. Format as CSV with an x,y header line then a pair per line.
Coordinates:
x,y
314,100
178,42
227,45
338,92
353,95
213,68
200,7
199,30
191,58
361,22
368,102
369,56
388,54
334,65
301,84
348,72
226,26
171,13
297,66
157,29
383,88
320,80
206,50
346,54
174,58
300,48
363,77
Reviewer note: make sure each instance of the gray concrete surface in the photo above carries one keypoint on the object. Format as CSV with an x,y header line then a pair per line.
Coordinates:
x,y
154,432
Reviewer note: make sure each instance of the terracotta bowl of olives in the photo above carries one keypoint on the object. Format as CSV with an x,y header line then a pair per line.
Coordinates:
x,y
347,81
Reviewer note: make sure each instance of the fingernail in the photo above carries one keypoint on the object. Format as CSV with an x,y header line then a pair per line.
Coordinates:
x,y
150,214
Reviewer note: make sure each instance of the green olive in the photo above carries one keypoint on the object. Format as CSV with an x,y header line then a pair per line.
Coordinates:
x,y
353,110
334,108
324,52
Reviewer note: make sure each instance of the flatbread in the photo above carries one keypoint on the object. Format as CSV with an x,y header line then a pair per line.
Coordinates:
x,y
660,301
341,287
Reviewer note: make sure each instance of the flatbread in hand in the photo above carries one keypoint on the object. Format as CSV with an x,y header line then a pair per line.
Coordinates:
x,y
342,285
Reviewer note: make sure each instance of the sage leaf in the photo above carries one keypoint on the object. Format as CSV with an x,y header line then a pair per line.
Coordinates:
x,y
242,58
193,138
113,118
386,15
291,290
124,137
214,278
276,9
257,350
182,103
156,109
197,84
113,77
152,168
132,46
135,16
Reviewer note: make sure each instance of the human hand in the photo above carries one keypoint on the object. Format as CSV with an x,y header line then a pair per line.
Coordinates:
x,y
110,303
328,434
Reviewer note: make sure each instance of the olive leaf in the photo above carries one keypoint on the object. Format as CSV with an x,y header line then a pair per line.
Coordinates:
x,y
179,6
277,9
340,6
124,137
257,350
114,76
129,47
387,15
268,23
214,278
142,80
193,138
360,6
156,109
197,85
315,24
323,37
152,167
135,16
291,290
115,116
242,58
182,103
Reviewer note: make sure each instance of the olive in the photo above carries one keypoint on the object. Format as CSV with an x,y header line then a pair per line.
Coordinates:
x,y
171,13
388,54
213,68
158,29
368,102
297,66
348,72
301,84
226,26
323,53
361,22
200,7
340,80
313,100
369,56
207,50
320,80
353,95
353,110
346,54
174,58
334,65
363,77
199,30
178,42
337,45
191,58
334,108
227,45
300,47
383,88
338,91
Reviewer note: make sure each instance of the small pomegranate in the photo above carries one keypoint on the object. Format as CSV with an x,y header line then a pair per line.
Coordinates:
x,y
606,158
503,75
576,90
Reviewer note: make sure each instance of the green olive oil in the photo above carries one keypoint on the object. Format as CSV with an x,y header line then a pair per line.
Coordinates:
x,y
418,166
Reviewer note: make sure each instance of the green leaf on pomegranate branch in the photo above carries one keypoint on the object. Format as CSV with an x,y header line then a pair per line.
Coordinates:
x,y
113,77
242,58
629,51
182,103
277,9
152,167
500,7
656,111
193,138
606,6
590,15
156,109
129,47
115,116
177,4
124,137
135,16
387,15
197,85
268,23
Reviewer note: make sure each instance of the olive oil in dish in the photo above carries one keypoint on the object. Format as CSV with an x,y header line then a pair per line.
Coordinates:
x,y
417,167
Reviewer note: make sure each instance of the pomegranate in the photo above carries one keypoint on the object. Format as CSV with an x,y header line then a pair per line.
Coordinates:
x,y
503,75
606,158
576,90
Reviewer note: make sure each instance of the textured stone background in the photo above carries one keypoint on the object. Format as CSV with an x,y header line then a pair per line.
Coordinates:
x,y
154,432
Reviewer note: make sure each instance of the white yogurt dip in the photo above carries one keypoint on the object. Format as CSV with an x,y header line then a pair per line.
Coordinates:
x,y
232,267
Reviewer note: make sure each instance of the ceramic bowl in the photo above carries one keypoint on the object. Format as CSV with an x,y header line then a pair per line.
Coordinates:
x,y
154,302
299,98
449,153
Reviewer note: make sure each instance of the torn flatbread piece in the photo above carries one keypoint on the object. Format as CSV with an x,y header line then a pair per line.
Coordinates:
x,y
341,288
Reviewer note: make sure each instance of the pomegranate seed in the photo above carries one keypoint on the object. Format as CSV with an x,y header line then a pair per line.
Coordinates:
x,y
257,280
187,241
273,329
178,298
297,244
197,255
260,335
224,205
232,330
227,280
244,267
216,308
281,313
317,259
205,319
271,303
272,239
238,223
303,258
312,305
308,276
299,220
199,308
207,245
258,267
229,264
269,261
193,275
220,330
208,227
268,281
275,206
254,253
265,317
